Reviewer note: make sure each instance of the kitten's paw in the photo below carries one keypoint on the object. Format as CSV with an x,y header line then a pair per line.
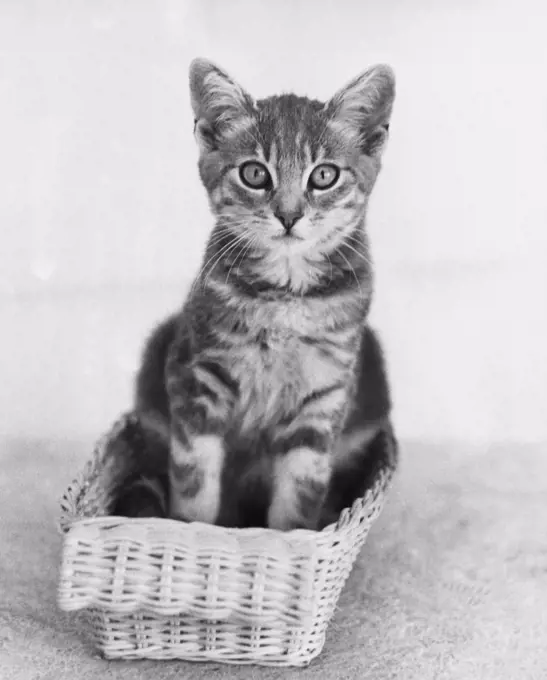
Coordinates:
x,y
195,479
301,478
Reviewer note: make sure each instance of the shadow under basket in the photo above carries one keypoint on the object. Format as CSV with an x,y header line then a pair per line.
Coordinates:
x,y
163,589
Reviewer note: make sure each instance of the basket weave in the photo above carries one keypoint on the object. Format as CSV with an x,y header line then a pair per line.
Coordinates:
x,y
163,589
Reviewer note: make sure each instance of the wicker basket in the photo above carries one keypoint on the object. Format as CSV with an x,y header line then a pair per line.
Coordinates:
x,y
162,589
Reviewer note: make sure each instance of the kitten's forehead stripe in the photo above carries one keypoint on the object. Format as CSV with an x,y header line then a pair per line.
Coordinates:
x,y
273,155
293,122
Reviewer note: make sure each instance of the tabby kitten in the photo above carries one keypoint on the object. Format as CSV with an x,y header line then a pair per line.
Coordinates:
x,y
263,380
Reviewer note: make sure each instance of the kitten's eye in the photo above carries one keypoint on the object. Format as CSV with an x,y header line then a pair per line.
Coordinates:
x,y
255,175
324,176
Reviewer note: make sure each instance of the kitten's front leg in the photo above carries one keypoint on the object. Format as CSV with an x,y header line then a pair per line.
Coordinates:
x,y
201,396
303,462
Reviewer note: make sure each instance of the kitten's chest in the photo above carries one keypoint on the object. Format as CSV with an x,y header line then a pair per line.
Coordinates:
x,y
278,367
273,363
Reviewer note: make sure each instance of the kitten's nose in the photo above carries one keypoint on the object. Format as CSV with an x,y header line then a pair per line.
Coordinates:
x,y
288,218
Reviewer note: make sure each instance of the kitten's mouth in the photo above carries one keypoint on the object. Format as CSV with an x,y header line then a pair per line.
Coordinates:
x,y
288,237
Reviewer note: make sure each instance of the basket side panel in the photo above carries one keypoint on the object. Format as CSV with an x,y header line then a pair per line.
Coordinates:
x,y
169,568
145,636
340,548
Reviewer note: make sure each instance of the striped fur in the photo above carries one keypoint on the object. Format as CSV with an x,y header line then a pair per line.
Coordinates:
x,y
265,364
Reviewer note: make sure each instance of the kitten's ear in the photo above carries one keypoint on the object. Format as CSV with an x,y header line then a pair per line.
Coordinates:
x,y
362,109
220,105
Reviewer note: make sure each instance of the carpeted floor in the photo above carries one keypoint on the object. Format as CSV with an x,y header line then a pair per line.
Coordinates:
x,y
452,582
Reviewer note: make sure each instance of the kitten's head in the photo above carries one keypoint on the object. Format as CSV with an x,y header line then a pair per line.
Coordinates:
x,y
288,174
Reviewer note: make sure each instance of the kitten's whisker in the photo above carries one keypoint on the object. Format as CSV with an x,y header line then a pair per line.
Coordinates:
x,y
218,238
243,249
219,235
220,232
331,272
222,229
204,275
359,242
253,240
198,279
227,229
359,254
353,237
223,253
352,270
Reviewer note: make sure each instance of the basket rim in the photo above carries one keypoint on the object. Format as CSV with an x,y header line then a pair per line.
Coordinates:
x,y
69,518
349,514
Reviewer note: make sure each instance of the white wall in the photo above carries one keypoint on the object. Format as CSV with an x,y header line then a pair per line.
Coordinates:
x,y
102,217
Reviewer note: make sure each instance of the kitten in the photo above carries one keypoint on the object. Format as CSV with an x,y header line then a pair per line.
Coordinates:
x,y
269,382
366,446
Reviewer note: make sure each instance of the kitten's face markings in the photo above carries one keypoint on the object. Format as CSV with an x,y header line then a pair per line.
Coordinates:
x,y
282,182
288,199
287,176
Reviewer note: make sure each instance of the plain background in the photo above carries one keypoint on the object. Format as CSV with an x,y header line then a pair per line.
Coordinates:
x,y
103,219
